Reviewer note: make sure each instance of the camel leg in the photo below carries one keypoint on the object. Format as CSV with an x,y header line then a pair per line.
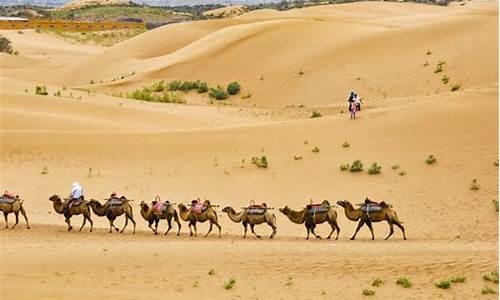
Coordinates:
x,y
331,232
307,228
402,229
315,235
246,229
218,226
360,224
252,228
274,230
91,223
338,230
83,224
369,224
17,219
209,228
125,225
169,222
25,217
391,230
195,229
150,225
133,223
69,224
5,217
176,220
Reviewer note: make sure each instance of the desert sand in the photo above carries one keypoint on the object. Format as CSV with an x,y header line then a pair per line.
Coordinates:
x,y
292,62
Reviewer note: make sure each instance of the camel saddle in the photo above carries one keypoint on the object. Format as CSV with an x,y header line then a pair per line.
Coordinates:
x,y
256,209
75,202
198,207
313,209
371,207
160,207
7,200
115,201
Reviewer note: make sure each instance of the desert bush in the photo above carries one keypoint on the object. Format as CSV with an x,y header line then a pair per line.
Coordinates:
x,y
455,87
402,173
211,272
218,93
174,85
395,166
443,284
445,79
41,90
493,277
374,169
428,52
346,145
230,284
297,157
377,282
188,86
344,167
474,186
426,64
246,95
301,72
495,204
315,114
202,87
368,292
5,45
260,162
143,94
458,279
233,88
404,282
356,166
315,149
487,290
289,281
57,94
430,159
495,163
45,171
158,86
439,67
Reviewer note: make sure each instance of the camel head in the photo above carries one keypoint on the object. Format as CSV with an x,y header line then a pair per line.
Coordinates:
x,y
93,202
143,204
227,209
285,210
343,203
181,206
55,198
326,203
207,203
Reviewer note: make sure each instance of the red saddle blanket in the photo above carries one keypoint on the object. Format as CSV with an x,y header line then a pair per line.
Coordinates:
x,y
158,208
198,208
7,200
316,208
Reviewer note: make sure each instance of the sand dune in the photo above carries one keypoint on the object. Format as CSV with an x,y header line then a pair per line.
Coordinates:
x,y
179,152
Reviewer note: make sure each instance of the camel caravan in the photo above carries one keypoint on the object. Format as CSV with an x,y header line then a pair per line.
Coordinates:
x,y
310,215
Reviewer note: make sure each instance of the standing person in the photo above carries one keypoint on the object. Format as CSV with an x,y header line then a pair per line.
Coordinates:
x,y
76,194
357,102
350,100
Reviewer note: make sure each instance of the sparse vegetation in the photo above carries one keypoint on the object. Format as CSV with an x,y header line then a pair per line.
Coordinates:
x,y
233,88
218,93
103,38
474,186
404,282
45,171
316,114
444,284
202,87
315,149
402,173
445,79
230,284
148,94
428,52
487,290
260,162
430,159
455,87
458,279
297,157
426,64
301,72
289,281
5,45
495,163
211,272
41,90
495,204
374,169
368,292
493,277
346,145
356,166
344,167
395,166
439,67
377,282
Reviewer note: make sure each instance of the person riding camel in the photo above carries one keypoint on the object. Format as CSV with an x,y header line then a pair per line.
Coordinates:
x,y
76,194
7,194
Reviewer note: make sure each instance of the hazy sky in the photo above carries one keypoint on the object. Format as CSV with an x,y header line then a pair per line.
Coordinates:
x,y
150,2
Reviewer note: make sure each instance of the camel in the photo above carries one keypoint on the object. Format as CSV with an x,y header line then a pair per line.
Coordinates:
x,y
15,207
77,209
113,211
310,220
385,214
152,216
191,217
252,220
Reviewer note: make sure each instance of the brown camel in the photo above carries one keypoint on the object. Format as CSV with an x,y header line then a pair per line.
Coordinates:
x,y
15,206
113,211
78,208
252,219
311,217
153,216
209,214
385,214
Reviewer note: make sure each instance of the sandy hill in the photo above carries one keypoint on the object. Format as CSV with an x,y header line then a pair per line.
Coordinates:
x,y
227,11
79,132
76,4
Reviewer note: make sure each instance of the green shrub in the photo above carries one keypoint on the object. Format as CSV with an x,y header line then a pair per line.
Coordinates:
x,y
315,149
439,67
315,114
445,79
346,145
41,90
495,204
443,284
487,290
218,93
5,45
202,87
455,87
233,88
368,292
187,86
260,162
344,167
493,277
158,86
458,279
474,186
430,159
374,169
174,85
230,284
377,282
356,166
404,282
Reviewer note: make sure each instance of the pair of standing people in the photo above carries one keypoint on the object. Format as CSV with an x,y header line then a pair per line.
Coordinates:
x,y
354,100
